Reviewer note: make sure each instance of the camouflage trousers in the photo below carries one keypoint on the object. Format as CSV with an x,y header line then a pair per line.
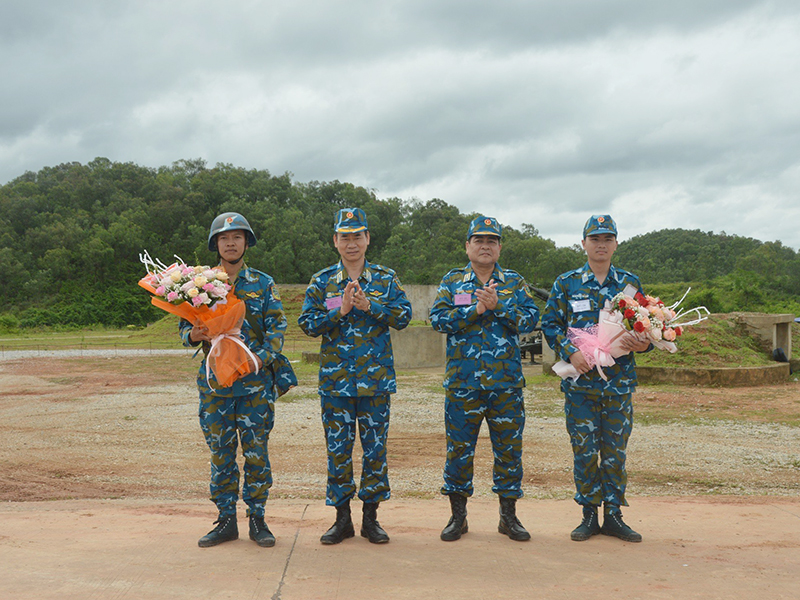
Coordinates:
x,y
599,427
224,422
340,415
504,411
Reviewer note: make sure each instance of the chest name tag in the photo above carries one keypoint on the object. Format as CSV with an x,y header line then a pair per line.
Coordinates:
x,y
335,302
630,290
462,299
581,305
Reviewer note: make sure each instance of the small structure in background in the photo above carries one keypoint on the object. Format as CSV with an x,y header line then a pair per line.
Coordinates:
x,y
774,330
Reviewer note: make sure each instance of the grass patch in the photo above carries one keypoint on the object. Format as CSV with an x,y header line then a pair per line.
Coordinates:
x,y
716,342
796,340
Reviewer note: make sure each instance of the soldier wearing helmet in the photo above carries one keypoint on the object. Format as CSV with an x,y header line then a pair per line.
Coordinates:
x,y
483,309
244,410
599,411
351,305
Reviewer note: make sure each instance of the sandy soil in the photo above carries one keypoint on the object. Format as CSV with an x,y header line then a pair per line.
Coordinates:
x,y
104,457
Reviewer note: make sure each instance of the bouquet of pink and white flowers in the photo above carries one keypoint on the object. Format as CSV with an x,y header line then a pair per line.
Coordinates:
x,y
179,282
644,317
202,296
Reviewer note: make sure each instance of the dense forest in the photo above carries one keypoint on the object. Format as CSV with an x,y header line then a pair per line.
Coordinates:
x,y
70,237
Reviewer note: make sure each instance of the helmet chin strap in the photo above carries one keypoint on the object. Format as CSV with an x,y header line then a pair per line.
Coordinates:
x,y
235,262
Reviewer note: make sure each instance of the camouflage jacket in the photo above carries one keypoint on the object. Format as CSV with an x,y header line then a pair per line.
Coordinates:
x,y
356,350
258,292
575,301
483,350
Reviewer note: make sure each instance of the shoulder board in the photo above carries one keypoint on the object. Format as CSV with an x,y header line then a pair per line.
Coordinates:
x,y
512,273
457,272
625,273
381,268
258,273
324,271
572,273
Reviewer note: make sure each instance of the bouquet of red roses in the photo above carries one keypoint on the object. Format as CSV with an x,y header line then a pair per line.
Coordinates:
x,y
641,316
202,296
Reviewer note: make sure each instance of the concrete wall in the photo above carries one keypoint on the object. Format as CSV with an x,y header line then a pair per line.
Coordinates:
x,y
548,358
774,330
421,297
418,347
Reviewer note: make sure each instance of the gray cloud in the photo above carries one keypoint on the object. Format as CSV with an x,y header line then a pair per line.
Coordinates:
x,y
679,114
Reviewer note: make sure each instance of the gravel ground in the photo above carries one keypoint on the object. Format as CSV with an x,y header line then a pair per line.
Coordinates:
x,y
127,427
13,355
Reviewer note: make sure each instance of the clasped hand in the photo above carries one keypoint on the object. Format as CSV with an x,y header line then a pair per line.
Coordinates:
x,y
487,297
354,296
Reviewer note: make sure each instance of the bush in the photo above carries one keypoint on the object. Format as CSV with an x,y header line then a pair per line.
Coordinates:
x,y
8,323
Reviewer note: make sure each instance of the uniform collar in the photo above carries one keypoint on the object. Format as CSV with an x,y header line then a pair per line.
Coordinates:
x,y
588,275
497,274
244,274
341,273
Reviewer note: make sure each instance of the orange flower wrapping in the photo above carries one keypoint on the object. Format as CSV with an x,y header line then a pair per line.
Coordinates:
x,y
229,359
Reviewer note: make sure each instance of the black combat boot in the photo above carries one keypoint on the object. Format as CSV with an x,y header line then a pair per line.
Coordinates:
x,y
342,528
589,526
614,525
226,530
260,533
457,524
509,523
370,528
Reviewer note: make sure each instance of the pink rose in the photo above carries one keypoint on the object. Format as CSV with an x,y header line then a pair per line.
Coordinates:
x,y
197,301
204,299
172,296
160,290
669,335
218,291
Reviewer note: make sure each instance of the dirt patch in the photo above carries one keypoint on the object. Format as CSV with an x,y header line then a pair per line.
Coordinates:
x,y
82,431
122,427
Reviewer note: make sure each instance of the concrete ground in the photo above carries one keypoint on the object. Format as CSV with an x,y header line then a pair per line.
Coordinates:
x,y
145,549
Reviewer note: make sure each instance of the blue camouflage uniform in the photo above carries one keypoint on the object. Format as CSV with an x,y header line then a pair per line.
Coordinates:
x,y
484,375
247,407
356,374
599,414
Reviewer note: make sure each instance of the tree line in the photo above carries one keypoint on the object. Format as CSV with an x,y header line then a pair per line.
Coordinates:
x,y
70,237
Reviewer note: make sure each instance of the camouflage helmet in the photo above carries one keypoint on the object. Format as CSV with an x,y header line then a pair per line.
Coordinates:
x,y
228,222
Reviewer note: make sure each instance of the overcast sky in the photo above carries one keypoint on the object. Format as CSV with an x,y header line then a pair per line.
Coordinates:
x,y
665,114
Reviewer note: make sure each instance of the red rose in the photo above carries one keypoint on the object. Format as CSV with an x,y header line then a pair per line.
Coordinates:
x,y
638,326
622,304
678,330
640,298
629,313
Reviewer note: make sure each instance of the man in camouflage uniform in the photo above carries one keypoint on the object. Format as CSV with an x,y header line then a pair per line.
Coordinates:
x,y
483,309
246,408
599,413
351,305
